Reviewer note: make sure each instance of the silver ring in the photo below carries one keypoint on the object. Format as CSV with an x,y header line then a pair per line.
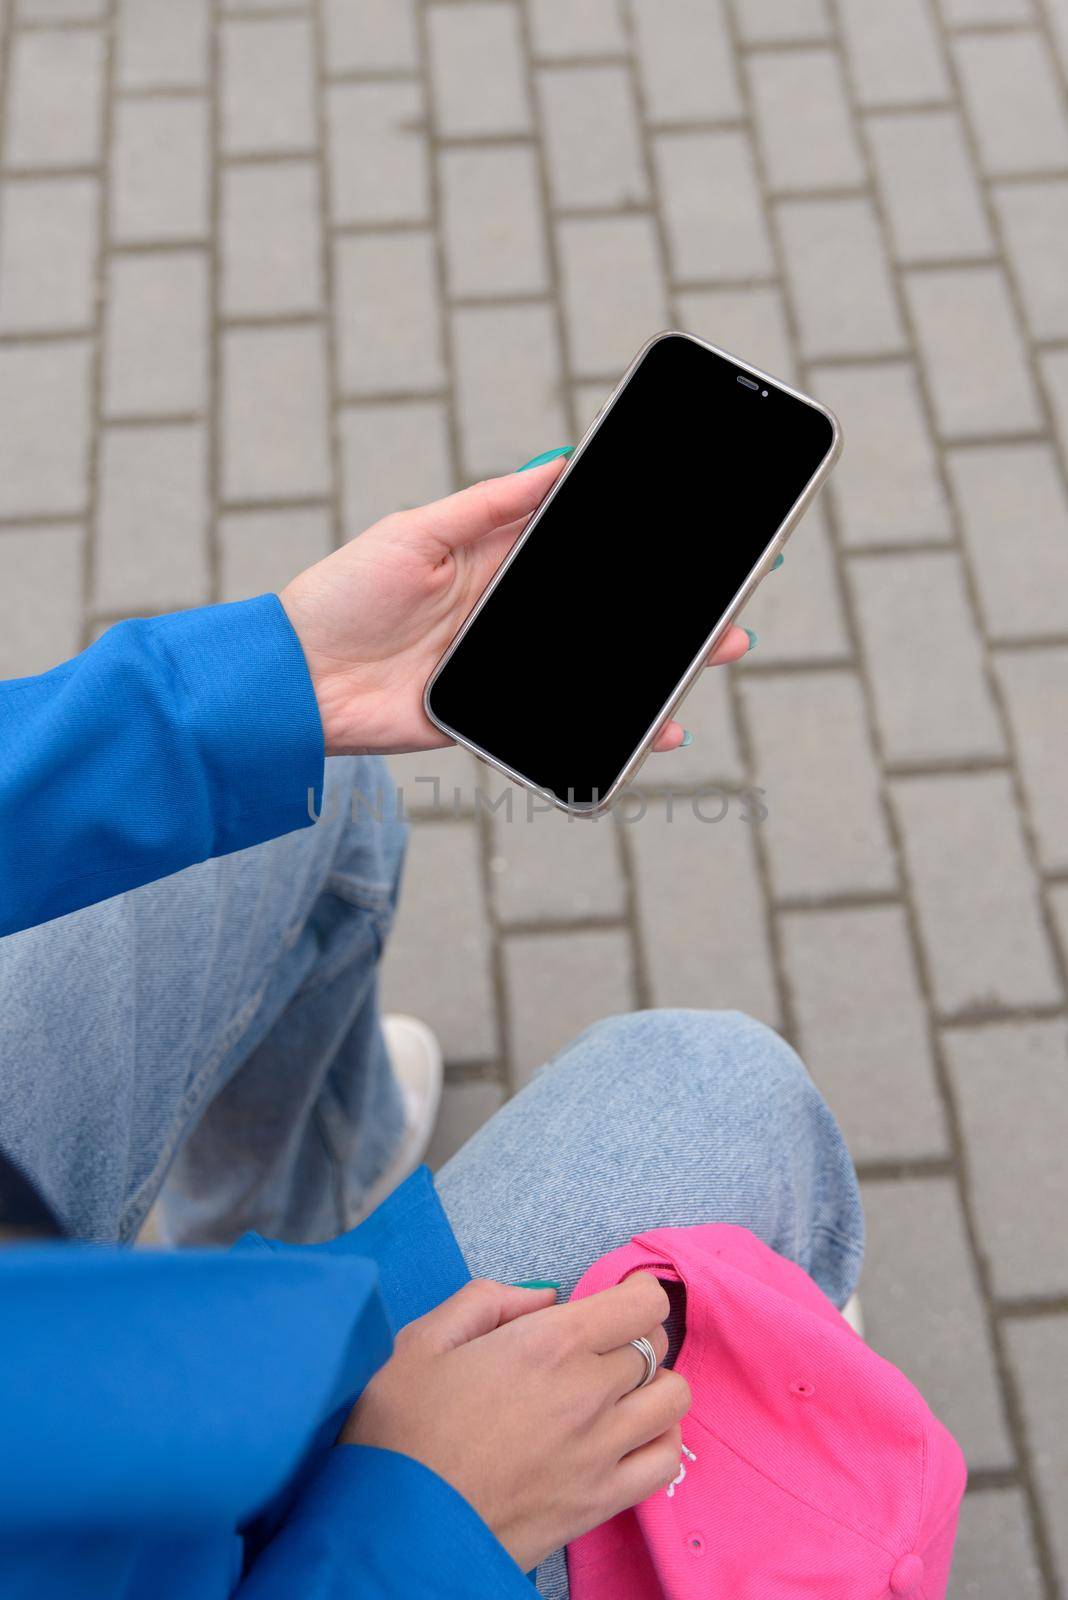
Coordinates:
x,y
645,1348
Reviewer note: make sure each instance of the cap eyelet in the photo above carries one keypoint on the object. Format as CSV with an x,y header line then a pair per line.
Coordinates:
x,y
695,1544
802,1388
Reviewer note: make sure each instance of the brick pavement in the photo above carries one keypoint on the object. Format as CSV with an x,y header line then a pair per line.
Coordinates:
x,y
268,269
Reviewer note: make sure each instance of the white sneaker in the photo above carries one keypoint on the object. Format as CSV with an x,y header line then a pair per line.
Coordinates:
x,y
415,1057
853,1314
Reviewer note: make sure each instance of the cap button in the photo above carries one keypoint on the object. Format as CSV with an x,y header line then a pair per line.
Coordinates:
x,y
907,1575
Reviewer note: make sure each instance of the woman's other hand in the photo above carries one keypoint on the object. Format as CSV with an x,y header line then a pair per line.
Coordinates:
x,y
530,1409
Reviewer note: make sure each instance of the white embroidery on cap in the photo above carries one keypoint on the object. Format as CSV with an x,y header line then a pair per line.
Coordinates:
x,y
670,1491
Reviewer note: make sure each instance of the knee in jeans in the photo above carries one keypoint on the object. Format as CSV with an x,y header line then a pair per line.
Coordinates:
x,y
723,1058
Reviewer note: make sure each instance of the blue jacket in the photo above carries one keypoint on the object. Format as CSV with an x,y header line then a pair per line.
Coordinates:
x,y
167,1419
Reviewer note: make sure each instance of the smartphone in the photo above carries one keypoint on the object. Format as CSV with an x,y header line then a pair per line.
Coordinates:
x,y
674,505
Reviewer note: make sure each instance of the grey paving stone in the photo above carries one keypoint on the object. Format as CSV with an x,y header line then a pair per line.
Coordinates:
x,y
932,199
886,486
156,302
379,164
259,551
1015,105
509,387
796,611
1038,1349
159,170
687,65
973,350
864,1038
1057,895
1014,513
1057,17
270,250
894,52
969,13
922,1311
712,209
399,353
442,909
749,323
492,221
592,142
437,783
59,10
769,21
1034,221
575,27
838,275
555,868
803,120
477,71
373,36
925,658
152,519
48,244
715,756
975,893
464,1108
54,99
994,1555
44,428
1054,366
701,909
274,415
40,598
1035,686
1011,1086
162,45
605,332
558,984
266,67
825,833
393,457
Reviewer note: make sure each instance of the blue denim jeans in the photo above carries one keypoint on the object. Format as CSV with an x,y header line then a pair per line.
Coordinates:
x,y
220,1030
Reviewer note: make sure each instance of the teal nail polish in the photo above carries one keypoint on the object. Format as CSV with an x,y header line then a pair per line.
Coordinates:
x,y
687,739
547,455
753,637
537,1283
779,559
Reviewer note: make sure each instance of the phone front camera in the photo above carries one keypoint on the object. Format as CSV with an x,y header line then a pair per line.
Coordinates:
x,y
763,394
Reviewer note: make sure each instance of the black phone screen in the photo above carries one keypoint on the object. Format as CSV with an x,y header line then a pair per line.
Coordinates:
x,y
630,566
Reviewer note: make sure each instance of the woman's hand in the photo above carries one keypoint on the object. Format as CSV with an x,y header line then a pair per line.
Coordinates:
x,y
529,1409
375,617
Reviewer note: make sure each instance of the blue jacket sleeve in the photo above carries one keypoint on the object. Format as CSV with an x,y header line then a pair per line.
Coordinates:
x,y
168,741
375,1525
372,1524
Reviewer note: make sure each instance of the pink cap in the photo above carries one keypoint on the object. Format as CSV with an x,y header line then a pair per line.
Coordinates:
x,y
811,1467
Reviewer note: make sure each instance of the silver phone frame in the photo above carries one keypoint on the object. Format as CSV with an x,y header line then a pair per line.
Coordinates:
x,y
693,672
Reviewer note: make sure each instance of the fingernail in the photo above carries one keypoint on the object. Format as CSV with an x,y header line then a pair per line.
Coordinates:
x,y
779,559
547,455
687,738
752,639
537,1283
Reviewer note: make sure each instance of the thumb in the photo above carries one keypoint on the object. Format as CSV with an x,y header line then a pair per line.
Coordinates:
x,y
478,1308
471,514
